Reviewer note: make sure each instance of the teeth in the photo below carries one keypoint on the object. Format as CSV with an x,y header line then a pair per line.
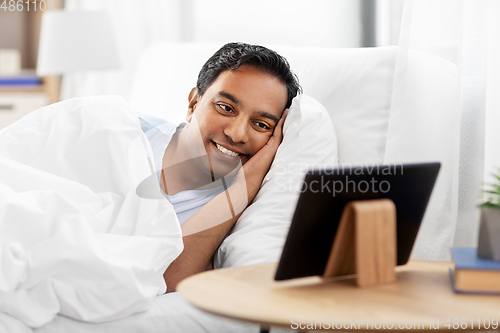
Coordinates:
x,y
226,151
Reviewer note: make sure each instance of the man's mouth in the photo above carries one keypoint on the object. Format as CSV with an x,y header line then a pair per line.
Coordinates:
x,y
226,151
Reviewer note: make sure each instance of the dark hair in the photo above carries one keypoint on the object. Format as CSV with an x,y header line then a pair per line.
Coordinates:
x,y
232,55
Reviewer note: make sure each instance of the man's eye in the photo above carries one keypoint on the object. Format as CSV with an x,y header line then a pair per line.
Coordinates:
x,y
225,108
263,125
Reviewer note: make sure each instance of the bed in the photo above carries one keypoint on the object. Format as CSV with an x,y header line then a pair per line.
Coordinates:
x,y
345,116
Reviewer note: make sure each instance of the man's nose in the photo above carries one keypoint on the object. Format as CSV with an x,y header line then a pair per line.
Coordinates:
x,y
237,130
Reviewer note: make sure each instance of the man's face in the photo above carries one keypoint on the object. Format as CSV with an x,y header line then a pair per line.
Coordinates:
x,y
237,115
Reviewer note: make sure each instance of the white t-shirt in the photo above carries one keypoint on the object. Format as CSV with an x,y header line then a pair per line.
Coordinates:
x,y
159,133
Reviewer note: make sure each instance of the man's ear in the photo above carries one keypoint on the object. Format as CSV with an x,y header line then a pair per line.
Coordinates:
x,y
193,100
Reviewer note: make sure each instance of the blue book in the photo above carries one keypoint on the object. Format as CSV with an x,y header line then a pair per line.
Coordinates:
x,y
26,77
473,274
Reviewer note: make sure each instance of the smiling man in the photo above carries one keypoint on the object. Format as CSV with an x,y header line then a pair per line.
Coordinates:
x,y
213,166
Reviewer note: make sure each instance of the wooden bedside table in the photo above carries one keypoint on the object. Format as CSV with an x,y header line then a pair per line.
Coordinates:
x,y
16,103
422,295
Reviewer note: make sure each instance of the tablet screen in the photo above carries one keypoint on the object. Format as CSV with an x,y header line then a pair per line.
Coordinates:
x,y
324,194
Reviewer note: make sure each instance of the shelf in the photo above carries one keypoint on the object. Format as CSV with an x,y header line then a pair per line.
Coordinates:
x,y
22,88
23,29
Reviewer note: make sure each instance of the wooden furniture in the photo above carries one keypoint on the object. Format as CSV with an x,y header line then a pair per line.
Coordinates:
x,y
15,103
422,295
365,243
23,34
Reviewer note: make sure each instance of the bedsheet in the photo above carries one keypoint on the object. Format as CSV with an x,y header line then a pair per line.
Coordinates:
x,y
76,238
169,313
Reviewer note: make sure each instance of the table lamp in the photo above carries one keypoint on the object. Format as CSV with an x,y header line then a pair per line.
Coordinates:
x,y
76,41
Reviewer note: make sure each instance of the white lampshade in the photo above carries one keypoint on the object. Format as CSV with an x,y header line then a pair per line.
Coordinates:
x,y
72,41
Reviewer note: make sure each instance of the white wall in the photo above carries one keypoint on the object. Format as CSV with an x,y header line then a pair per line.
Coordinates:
x,y
325,23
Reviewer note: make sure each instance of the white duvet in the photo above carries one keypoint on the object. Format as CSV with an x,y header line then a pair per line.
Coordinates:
x,y
75,237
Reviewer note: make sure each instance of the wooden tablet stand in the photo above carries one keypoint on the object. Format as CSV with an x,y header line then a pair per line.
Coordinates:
x,y
365,243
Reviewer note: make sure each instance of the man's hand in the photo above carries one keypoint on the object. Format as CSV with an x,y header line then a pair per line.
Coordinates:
x,y
256,168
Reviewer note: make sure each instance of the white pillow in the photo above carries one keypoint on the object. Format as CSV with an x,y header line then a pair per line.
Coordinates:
x,y
259,235
355,86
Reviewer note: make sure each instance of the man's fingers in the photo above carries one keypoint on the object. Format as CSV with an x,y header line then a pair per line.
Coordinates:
x,y
285,114
278,131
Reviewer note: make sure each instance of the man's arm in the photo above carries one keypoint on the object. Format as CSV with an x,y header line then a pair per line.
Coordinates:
x,y
204,231
199,246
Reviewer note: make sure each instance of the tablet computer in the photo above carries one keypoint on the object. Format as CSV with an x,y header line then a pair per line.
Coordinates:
x,y
324,194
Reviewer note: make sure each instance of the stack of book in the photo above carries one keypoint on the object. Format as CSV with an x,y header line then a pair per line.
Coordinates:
x,y
473,274
26,79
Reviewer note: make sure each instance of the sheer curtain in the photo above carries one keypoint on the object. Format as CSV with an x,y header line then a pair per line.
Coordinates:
x,y
455,34
492,119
